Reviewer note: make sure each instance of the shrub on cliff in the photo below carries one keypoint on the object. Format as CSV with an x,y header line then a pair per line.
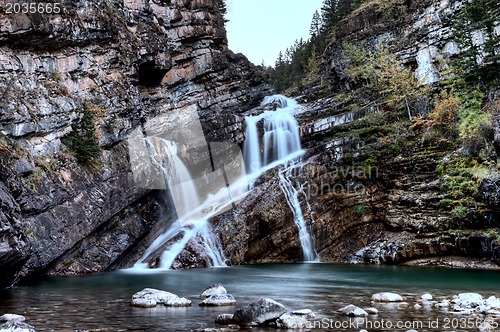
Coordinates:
x,y
385,78
82,140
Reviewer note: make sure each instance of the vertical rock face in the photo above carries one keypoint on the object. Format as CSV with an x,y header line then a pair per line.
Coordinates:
x,y
125,62
419,32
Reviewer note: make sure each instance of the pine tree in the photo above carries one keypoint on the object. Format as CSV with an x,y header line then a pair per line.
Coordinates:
x,y
475,61
329,14
316,25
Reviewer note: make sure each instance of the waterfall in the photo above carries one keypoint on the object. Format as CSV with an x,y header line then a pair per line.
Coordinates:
x,y
292,198
281,140
281,146
189,209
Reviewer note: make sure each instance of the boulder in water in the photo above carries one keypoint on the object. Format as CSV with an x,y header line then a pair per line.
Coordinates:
x,y
14,323
386,297
212,290
353,311
290,321
260,312
304,312
219,300
150,297
469,300
229,328
371,311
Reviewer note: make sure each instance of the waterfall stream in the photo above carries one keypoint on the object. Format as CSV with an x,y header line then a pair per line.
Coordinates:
x,y
292,196
281,147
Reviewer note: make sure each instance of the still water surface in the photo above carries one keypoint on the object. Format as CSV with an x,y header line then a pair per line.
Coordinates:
x,y
103,300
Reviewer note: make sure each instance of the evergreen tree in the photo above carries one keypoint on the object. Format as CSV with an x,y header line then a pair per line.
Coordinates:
x,y
476,61
300,62
329,14
316,25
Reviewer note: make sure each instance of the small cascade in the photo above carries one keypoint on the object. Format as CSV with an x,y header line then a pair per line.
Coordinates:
x,y
251,149
281,146
293,200
281,140
189,209
213,247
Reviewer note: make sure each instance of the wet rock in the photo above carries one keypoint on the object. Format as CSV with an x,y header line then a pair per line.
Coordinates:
x,y
308,313
212,290
426,297
144,303
443,304
150,297
224,319
469,300
371,311
353,311
493,302
417,306
219,300
386,297
260,312
290,321
14,323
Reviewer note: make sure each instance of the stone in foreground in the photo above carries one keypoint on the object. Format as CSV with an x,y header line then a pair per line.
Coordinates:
x,y
260,312
288,321
469,300
14,323
371,311
308,313
150,297
213,290
386,297
217,300
353,311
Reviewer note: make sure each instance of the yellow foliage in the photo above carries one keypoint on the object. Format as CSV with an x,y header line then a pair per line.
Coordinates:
x,y
444,115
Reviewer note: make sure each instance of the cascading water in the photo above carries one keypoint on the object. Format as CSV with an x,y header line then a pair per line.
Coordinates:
x,y
189,207
293,200
281,146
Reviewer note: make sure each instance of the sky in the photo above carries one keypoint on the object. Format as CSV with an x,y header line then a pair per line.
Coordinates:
x,y
260,29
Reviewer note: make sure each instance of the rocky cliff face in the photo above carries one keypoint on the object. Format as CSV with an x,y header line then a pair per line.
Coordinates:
x,y
419,32
124,62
